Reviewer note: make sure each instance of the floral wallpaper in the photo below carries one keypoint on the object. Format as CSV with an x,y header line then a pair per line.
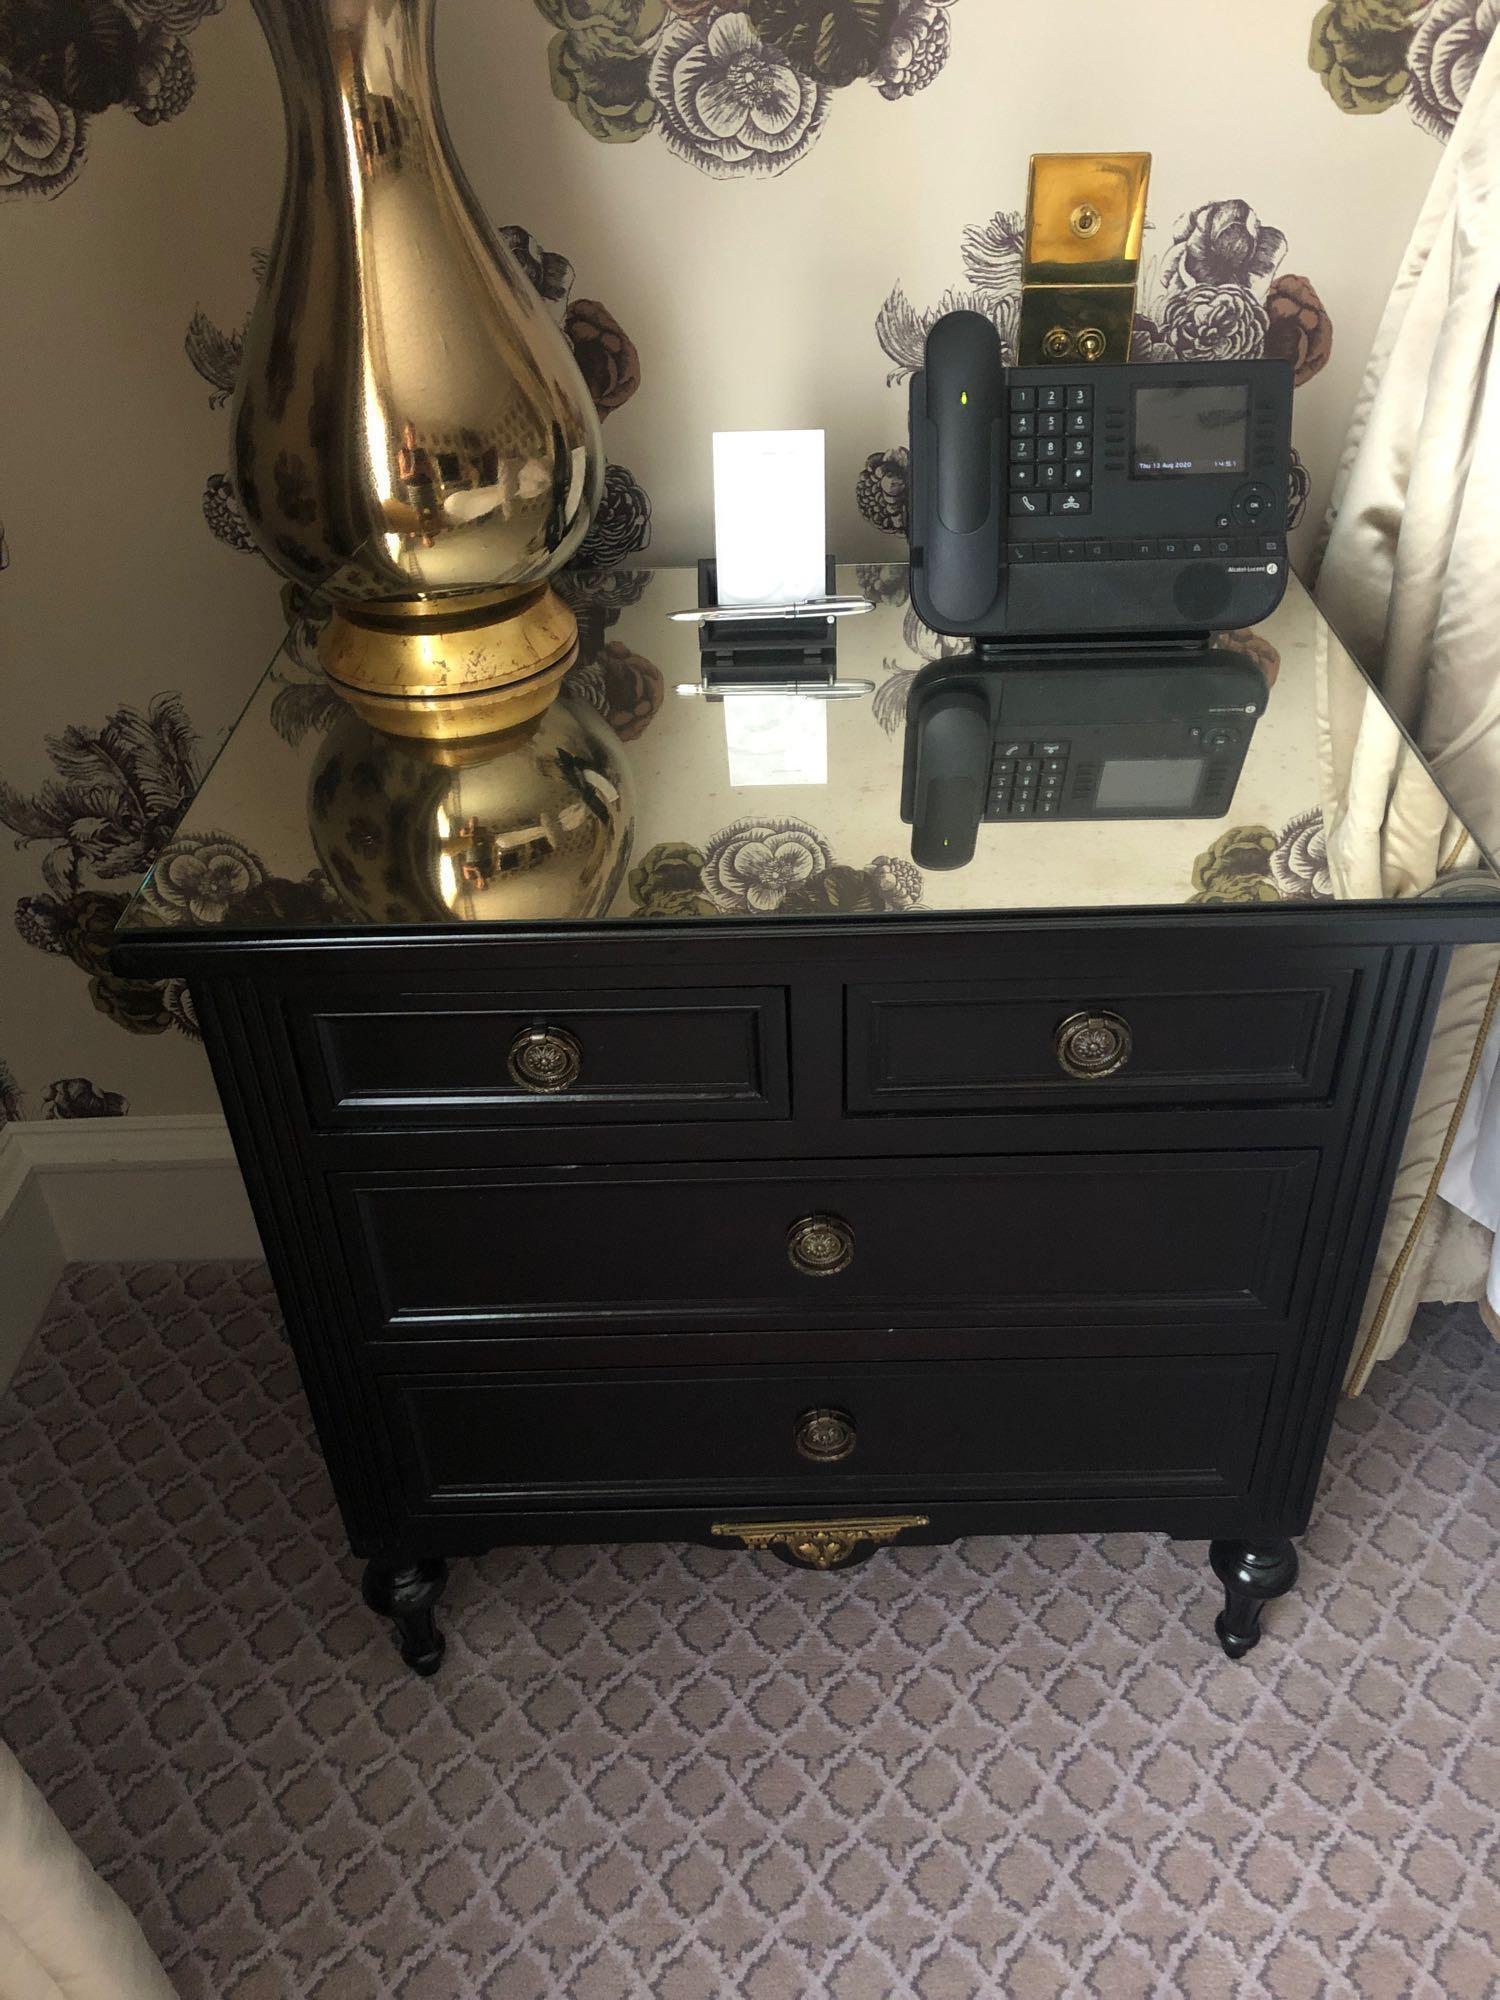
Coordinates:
x,y
761,867
735,87
64,63
1375,54
701,283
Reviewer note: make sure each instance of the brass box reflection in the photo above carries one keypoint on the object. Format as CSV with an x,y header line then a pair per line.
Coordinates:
x,y
1085,214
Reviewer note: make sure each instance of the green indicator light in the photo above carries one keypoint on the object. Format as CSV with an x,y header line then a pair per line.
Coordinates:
x,y
963,397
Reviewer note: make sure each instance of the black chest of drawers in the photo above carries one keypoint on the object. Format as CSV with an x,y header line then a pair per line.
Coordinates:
x,y
1022,1202
828,1246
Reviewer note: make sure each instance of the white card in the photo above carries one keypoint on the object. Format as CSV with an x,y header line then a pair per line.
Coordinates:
x,y
776,739
769,530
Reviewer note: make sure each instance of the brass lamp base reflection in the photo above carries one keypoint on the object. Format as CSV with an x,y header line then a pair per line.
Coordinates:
x,y
453,668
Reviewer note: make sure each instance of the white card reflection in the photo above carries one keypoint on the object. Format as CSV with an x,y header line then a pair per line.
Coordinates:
x,y
776,739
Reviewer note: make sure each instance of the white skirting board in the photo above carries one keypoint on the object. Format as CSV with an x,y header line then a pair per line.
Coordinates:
x,y
106,1190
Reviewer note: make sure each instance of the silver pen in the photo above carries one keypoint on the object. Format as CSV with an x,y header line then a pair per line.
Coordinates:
x,y
812,607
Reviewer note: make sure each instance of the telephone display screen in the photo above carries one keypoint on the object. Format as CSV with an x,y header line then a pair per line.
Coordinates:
x,y
1130,783
1188,429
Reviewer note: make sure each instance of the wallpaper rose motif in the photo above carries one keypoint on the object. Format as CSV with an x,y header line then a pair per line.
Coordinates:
x,y
1221,243
1372,54
756,867
625,687
751,866
63,62
736,88
197,879
77,1097
1251,864
64,1097
731,103
1443,56
118,792
1216,294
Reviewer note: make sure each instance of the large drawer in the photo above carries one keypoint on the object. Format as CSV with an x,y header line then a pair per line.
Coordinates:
x,y
1100,1237
1192,1030
511,1059
1119,1427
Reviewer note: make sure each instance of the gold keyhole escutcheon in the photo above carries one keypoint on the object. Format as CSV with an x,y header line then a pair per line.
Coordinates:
x,y
545,1060
819,1245
824,1436
1085,219
1092,1045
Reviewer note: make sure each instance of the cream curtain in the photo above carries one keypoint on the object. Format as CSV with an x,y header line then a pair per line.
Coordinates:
x,y
64,1935
1411,579
1410,576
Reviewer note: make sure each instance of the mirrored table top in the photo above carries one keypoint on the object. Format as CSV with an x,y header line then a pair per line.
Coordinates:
x,y
630,800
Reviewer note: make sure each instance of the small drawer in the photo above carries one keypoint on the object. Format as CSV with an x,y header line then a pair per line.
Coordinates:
x,y
1211,1032
1117,1427
511,1059
1039,1238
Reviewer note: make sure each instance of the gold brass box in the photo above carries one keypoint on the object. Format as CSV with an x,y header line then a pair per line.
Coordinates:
x,y
1085,215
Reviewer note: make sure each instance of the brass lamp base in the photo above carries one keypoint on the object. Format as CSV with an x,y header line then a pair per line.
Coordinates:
x,y
449,669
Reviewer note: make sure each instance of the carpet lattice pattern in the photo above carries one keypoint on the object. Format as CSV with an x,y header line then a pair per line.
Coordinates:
x,y
1005,1769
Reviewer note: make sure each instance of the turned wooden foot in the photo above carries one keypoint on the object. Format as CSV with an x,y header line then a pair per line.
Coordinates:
x,y
406,1593
1252,1573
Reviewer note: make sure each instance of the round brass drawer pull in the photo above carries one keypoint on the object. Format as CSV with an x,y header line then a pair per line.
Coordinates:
x,y
824,1436
545,1059
819,1245
1093,1045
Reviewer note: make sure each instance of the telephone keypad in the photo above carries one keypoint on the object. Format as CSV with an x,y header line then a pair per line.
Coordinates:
x,y
1063,454
1026,779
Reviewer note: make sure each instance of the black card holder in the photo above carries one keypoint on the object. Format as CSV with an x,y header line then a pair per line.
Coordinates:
x,y
771,652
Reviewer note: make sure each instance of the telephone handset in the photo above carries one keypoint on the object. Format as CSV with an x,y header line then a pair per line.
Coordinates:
x,y
1094,499
1150,736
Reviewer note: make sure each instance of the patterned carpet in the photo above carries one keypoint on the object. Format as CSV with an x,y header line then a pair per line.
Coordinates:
x,y
1006,1769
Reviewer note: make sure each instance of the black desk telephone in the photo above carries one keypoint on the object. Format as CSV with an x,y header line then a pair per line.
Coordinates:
x,y
1088,527
1071,500
1158,736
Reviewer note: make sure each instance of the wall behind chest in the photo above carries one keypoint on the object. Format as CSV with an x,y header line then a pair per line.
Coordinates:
x,y
742,214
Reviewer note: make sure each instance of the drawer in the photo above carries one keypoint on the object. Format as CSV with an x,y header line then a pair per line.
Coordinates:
x,y
1115,1236
500,1059
1118,1427
1214,1029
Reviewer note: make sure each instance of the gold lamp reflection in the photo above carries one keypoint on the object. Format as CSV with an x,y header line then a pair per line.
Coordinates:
x,y
535,824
